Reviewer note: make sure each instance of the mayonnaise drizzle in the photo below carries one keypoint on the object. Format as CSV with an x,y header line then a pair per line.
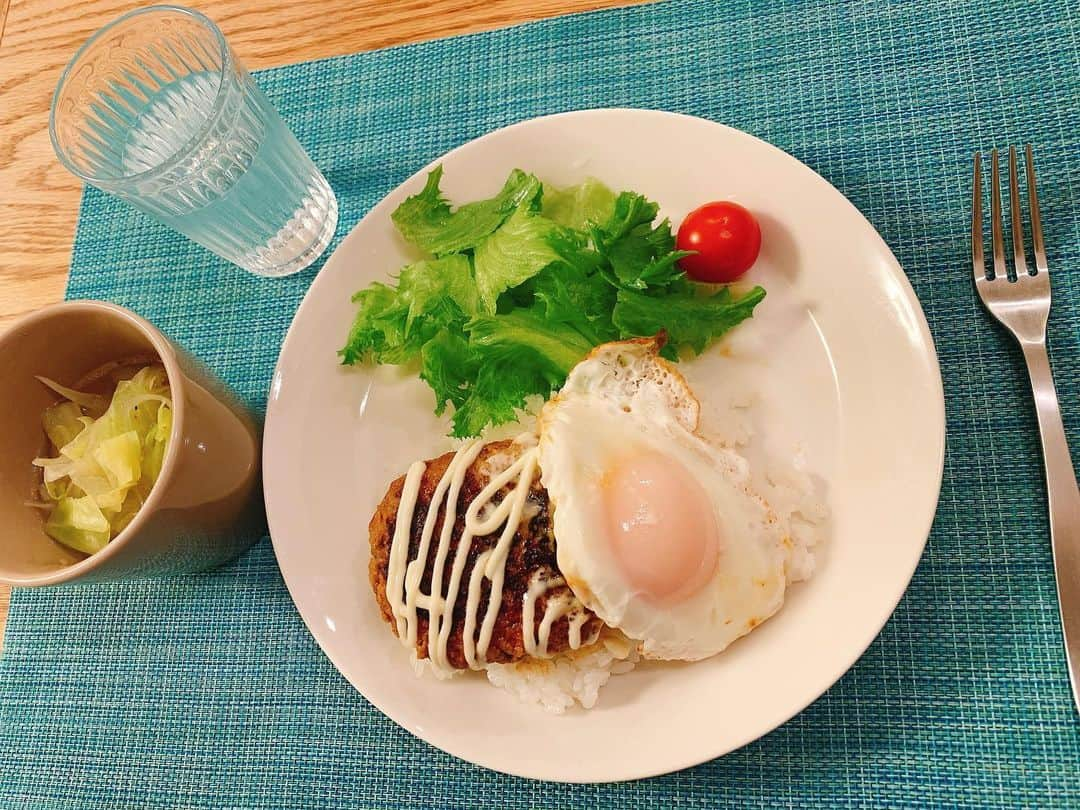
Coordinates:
x,y
482,517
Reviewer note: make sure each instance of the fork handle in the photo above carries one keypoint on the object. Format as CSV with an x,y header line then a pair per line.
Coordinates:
x,y
1064,500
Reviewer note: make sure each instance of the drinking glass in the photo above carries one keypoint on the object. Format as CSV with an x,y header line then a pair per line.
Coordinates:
x,y
156,109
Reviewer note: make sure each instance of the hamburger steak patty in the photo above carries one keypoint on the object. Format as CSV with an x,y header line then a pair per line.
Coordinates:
x,y
532,550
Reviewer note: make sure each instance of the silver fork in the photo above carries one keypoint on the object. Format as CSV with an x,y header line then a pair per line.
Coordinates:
x,y
1022,306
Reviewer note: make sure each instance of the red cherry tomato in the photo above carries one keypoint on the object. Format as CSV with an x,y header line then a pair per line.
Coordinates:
x,y
726,238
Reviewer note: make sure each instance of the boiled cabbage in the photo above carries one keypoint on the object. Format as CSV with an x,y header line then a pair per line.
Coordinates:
x,y
109,453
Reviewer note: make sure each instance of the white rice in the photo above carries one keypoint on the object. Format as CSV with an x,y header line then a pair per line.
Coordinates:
x,y
791,492
558,683
784,482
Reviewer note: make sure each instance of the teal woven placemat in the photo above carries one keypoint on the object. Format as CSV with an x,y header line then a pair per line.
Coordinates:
x,y
208,691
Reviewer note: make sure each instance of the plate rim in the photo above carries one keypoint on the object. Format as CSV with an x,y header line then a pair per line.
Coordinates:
x,y
939,444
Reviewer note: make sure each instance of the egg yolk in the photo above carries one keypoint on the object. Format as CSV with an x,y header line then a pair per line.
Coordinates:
x,y
661,527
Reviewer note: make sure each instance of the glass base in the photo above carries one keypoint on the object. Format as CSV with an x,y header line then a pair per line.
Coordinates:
x,y
322,208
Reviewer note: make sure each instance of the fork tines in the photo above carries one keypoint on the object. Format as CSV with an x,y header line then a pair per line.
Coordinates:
x,y
1020,266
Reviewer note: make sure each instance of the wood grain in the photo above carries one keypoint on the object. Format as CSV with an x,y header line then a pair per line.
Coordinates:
x,y
3,17
39,199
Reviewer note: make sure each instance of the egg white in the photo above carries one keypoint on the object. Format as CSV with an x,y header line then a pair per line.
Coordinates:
x,y
621,401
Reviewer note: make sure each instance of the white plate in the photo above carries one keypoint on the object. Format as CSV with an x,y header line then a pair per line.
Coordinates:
x,y
843,362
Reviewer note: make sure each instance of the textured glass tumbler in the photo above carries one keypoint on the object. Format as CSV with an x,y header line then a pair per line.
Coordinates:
x,y
156,109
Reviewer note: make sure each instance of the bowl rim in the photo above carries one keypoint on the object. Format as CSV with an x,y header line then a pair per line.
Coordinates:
x,y
166,353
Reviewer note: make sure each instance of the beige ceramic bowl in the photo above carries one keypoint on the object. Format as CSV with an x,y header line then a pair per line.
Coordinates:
x,y
205,507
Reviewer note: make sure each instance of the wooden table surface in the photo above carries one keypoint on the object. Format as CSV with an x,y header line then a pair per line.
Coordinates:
x,y
39,200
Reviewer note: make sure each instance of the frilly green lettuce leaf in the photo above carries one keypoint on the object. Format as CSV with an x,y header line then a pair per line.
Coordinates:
x,y
513,254
577,207
427,221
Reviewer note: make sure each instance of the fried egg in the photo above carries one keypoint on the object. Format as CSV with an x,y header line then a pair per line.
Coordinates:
x,y
657,530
